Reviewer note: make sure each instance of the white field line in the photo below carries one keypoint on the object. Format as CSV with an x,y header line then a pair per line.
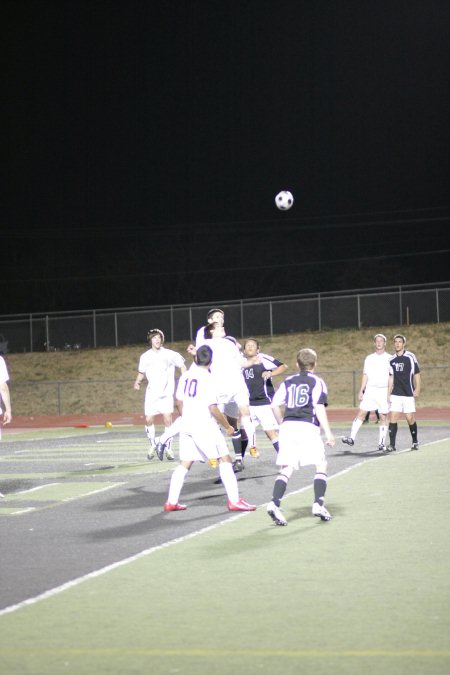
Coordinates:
x,y
120,563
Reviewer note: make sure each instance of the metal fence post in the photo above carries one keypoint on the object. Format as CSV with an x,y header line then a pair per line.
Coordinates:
x,y
31,332
47,334
437,305
271,318
94,328
116,330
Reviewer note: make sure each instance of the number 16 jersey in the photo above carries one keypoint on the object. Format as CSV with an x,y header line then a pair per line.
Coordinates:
x,y
300,394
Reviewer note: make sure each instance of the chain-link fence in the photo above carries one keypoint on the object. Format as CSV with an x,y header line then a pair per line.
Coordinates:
x,y
71,397
267,316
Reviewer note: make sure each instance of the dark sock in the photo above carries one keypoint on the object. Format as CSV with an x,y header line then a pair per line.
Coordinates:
x,y
413,430
276,445
392,433
320,487
279,489
244,442
236,441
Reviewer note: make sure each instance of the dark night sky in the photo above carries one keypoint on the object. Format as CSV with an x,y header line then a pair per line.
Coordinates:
x,y
145,142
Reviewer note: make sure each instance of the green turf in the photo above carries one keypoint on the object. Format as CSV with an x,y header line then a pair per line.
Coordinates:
x,y
367,593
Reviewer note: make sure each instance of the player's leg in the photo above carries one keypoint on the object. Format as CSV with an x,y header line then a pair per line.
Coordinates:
x,y
320,487
176,485
411,419
229,481
356,425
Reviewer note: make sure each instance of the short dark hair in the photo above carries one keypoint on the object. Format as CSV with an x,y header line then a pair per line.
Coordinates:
x,y
203,356
250,339
155,331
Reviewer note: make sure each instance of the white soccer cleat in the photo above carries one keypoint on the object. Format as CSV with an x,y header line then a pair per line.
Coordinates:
x,y
276,514
320,511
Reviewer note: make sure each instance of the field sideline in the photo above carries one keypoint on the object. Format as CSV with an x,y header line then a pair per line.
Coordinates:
x,y
366,593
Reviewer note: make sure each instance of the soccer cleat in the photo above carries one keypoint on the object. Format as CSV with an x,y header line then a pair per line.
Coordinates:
x,y
276,514
348,440
213,463
320,511
254,451
169,454
415,446
174,507
382,447
151,454
238,465
390,448
241,505
160,449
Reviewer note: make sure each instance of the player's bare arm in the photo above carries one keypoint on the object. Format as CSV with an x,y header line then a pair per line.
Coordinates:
x,y
279,370
416,380
323,419
221,419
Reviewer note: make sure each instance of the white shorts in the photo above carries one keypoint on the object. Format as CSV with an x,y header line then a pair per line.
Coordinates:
x,y
375,398
403,404
157,406
232,395
263,414
201,447
300,445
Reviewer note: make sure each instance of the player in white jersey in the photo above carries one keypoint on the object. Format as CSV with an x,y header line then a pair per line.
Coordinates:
x,y
304,399
213,316
158,365
226,369
5,398
373,392
200,436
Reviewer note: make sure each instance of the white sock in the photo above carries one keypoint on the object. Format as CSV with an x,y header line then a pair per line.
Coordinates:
x,y
382,434
176,484
357,423
246,422
229,481
150,431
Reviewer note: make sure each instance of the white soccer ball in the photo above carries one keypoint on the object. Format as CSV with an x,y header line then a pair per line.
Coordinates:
x,y
284,200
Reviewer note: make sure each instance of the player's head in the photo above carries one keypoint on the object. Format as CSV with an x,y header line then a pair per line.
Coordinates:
x,y
399,342
216,316
214,329
306,359
203,356
154,332
379,341
251,347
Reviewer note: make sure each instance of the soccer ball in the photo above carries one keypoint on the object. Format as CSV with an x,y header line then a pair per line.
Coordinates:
x,y
284,200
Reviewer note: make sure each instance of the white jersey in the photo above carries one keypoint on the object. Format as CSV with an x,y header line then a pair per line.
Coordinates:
x,y
197,392
4,376
376,367
158,366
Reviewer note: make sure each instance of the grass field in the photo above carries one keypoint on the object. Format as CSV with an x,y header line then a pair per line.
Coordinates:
x,y
341,352
366,593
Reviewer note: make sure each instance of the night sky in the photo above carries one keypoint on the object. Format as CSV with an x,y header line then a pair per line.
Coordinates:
x,y
145,142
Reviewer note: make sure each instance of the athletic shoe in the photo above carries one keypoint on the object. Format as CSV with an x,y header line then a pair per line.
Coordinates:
x,y
241,505
151,454
382,447
320,511
390,448
415,446
213,463
254,451
174,507
276,514
160,449
238,465
348,440
169,454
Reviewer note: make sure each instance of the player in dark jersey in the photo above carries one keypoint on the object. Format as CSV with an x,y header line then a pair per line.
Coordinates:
x,y
404,388
304,398
258,373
